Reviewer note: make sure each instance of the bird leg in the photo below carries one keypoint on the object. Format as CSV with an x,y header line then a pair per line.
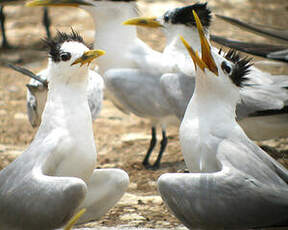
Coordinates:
x,y
151,147
163,145
46,22
5,43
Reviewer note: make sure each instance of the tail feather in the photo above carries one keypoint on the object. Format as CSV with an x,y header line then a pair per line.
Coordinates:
x,y
27,73
263,30
279,53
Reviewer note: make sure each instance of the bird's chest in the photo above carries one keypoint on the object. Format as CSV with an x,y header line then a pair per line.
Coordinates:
x,y
198,146
74,155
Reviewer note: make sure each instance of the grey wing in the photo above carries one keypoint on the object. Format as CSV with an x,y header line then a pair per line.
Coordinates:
x,y
36,99
138,92
250,190
32,105
178,89
222,200
26,192
95,93
31,110
244,155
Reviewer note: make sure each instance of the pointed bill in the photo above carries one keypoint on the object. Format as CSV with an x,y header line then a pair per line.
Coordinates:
x,y
144,21
75,3
205,47
88,57
194,55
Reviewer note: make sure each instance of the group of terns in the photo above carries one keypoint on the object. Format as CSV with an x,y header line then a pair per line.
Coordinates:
x,y
232,183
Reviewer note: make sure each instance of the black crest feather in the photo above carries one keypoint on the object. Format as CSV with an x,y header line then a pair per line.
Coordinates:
x,y
54,44
241,67
184,15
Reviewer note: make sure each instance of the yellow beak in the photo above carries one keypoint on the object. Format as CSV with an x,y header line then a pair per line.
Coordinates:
x,y
194,55
88,57
206,60
205,47
75,3
144,21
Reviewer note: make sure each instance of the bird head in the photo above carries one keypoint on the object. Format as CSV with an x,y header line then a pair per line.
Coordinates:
x,y
68,53
182,16
178,21
219,69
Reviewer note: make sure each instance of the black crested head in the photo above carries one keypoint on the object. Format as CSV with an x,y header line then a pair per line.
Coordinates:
x,y
241,67
184,15
54,45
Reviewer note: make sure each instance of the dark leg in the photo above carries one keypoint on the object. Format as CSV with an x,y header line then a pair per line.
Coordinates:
x,y
2,22
46,22
162,149
151,147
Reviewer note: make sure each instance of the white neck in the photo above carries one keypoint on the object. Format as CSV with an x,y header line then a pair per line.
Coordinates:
x,y
111,36
67,104
175,48
210,116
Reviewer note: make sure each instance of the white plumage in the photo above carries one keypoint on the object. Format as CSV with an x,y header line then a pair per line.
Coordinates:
x,y
233,183
58,168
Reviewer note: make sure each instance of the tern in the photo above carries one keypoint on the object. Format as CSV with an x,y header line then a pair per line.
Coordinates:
x,y
274,52
37,90
131,69
5,43
234,184
56,176
263,102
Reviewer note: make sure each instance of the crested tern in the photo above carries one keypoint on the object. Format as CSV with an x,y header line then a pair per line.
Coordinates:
x,y
46,21
263,102
37,90
56,176
131,69
274,52
234,184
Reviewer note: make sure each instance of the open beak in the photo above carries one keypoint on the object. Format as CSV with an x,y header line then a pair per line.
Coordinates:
x,y
205,47
194,55
75,3
144,21
206,60
88,57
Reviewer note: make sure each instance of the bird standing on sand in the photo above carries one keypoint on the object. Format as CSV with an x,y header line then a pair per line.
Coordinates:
x,y
264,100
132,83
56,176
233,183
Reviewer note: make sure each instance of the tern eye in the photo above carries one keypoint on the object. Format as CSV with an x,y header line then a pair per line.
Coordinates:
x,y
226,68
166,18
65,56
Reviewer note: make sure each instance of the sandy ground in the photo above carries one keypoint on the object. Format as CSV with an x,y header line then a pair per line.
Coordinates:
x,y
121,140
